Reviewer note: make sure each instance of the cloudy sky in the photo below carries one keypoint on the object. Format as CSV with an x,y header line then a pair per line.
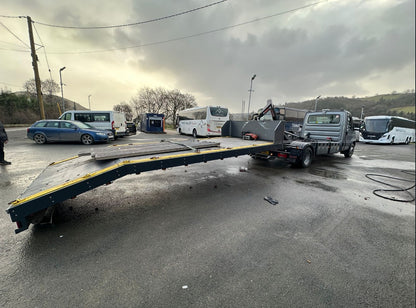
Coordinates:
x,y
298,49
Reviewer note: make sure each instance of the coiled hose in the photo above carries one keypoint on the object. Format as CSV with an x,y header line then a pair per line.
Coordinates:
x,y
378,192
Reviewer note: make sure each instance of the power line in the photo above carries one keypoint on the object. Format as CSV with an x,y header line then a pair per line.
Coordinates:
x,y
24,43
195,35
44,51
7,16
9,43
131,24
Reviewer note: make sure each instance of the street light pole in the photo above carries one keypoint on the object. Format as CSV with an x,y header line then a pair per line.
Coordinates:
x,y
89,102
249,96
62,89
316,101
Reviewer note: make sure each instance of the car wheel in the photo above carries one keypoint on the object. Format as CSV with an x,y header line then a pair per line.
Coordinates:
x,y
87,139
39,138
194,133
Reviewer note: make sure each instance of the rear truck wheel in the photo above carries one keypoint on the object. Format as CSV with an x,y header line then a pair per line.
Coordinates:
x,y
194,133
392,140
87,139
348,153
306,158
39,138
407,140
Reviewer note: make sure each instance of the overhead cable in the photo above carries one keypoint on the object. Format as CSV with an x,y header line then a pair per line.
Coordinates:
x,y
8,16
192,35
23,42
44,51
130,24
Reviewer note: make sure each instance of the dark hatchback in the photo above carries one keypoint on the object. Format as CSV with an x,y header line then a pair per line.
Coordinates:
x,y
66,131
132,128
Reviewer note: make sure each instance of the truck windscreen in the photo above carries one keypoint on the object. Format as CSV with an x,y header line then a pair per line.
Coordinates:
x,y
324,119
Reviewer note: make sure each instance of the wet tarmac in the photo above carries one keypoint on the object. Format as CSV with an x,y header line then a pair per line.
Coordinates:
x,y
203,235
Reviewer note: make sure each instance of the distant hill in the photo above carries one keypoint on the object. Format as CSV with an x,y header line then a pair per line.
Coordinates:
x,y
401,104
23,108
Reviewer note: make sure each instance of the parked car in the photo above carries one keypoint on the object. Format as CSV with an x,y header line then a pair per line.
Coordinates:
x,y
131,126
65,131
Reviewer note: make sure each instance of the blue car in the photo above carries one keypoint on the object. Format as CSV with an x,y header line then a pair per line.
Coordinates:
x,y
66,131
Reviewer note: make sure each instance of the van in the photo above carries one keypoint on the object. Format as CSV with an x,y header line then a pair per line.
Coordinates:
x,y
106,120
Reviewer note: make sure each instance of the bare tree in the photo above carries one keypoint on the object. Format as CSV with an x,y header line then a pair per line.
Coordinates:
x,y
126,109
30,86
176,102
50,87
159,100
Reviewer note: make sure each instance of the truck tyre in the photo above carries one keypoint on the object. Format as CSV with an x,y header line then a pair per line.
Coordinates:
x,y
348,153
306,159
194,133
39,138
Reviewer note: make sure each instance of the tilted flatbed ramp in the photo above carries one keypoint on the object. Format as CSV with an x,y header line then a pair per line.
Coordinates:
x,y
73,176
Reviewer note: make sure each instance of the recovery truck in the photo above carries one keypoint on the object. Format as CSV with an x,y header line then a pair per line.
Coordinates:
x,y
322,133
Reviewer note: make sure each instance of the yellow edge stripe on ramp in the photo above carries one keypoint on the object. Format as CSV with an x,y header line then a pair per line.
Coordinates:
x,y
123,163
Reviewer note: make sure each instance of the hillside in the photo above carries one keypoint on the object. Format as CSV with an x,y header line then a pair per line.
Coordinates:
x,y
21,108
401,104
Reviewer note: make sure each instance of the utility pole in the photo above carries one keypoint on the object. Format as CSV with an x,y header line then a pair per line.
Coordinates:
x,y
35,68
62,89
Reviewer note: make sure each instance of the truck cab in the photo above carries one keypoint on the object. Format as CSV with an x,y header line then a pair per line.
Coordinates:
x,y
332,131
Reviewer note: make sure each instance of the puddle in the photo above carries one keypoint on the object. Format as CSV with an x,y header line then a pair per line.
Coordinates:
x,y
330,174
317,184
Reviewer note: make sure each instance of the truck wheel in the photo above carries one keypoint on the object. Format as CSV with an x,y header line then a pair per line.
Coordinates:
x,y
306,160
194,133
39,138
350,151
